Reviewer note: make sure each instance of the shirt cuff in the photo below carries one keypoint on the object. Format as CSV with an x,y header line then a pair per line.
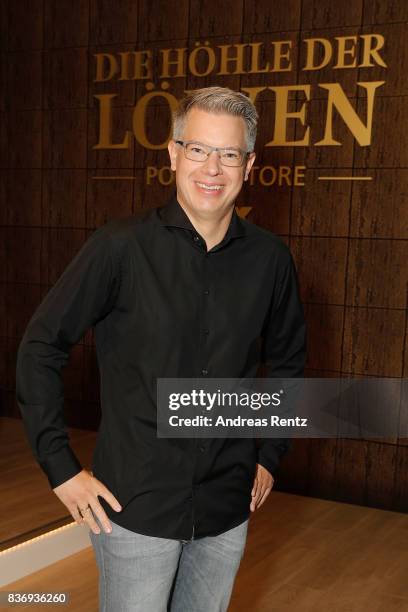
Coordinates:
x,y
60,466
270,453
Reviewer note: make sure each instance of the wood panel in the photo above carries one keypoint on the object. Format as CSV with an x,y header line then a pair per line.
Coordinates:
x,y
349,239
373,341
25,24
66,23
272,17
24,197
61,187
24,67
318,261
174,24
378,207
369,262
207,20
25,138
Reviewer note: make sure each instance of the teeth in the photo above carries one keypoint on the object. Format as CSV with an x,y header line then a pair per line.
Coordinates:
x,y
210,187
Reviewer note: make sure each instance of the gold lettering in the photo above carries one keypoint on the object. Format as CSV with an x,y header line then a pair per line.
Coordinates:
x,y
253,92
269,175
151,173
282,115
139,116
237,59
338,99
141,60
342,51
179,62
143,65
279,55
105,125
372,51
299,175
166,176
284,173
310,53
255,67
263,180
252,174
192,60
100,64
124,65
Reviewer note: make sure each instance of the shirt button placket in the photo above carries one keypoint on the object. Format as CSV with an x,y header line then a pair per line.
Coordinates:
x,y
204,323
204,371
203,352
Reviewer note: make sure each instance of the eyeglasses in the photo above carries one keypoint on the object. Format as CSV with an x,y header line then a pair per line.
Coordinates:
x,y
229,156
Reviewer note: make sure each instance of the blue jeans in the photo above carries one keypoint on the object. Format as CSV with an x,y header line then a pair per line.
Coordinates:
x,y
139,572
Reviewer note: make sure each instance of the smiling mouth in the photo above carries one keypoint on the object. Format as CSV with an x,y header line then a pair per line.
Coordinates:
x,y
209,186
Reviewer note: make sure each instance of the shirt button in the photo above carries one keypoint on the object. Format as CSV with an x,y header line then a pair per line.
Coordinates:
x,y
206,331
196,238
204,372
202,448
206,291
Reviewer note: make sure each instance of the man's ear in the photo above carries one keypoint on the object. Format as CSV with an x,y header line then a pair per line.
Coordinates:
x,y
172,149
249,164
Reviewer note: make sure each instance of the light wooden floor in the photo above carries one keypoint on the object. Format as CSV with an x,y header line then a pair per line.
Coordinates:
x,y
302,555
28,505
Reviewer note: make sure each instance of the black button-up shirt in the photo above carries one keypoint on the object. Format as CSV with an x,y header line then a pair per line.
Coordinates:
x,y
163,306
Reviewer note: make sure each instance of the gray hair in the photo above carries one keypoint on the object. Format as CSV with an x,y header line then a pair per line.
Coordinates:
x,y
217,100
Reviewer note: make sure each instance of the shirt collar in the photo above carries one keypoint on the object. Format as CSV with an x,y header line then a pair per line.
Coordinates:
x,y
173,214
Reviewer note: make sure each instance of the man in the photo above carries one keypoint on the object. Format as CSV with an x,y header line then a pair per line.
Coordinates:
x,y
185,290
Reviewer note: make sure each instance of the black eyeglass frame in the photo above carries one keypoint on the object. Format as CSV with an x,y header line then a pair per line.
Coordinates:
x,y
184,143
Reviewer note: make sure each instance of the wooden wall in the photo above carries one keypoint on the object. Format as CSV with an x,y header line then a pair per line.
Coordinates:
x,y
349,239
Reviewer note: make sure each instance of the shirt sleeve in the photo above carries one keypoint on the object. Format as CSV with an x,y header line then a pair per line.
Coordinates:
x,y
84,294
283,348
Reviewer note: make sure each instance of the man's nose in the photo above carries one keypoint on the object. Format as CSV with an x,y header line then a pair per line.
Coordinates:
x,y
213,165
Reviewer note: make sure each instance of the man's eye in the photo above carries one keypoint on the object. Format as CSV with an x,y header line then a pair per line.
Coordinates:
x,y
197,149
231,154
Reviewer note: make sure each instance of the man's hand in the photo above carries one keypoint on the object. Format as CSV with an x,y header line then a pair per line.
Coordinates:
x,y
263,483
80,493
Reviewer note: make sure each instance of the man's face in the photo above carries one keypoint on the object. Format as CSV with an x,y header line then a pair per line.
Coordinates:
x,y
192,177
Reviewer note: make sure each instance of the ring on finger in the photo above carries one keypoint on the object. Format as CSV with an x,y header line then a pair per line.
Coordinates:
x,y
83,510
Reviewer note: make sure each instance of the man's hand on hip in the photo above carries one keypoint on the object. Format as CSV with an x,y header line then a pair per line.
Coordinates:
x,y
80,495
263,483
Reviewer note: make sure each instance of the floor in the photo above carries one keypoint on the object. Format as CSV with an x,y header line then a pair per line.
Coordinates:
x,y
302,555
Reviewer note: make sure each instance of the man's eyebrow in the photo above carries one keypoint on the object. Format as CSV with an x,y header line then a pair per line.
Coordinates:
x,y
207,145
